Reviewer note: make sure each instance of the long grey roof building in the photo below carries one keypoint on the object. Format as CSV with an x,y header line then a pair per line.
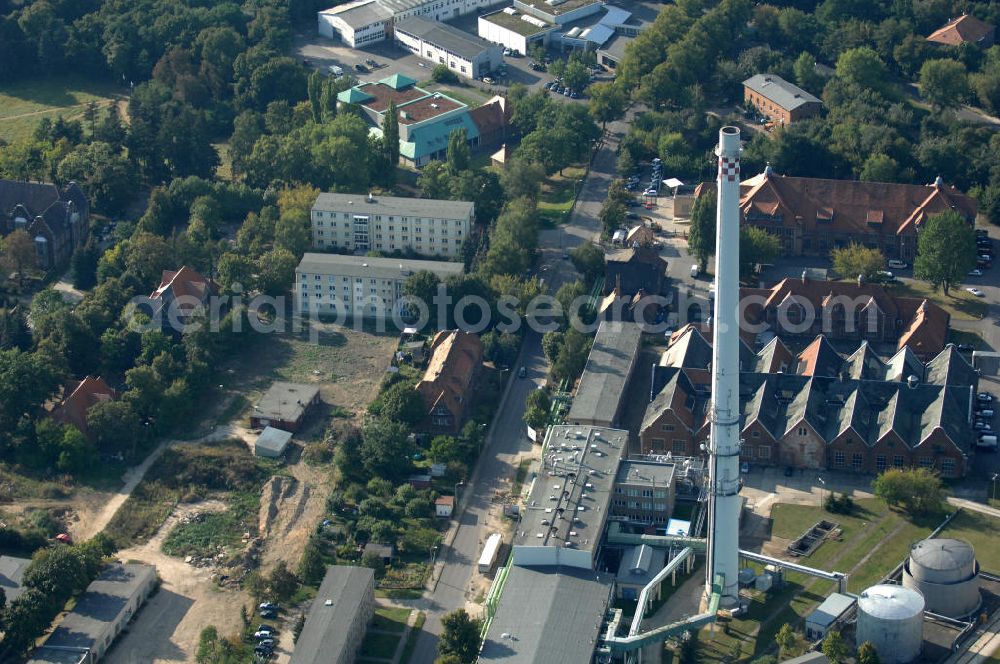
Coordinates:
x,y
601,393
787,95
449,38
394,205
338,617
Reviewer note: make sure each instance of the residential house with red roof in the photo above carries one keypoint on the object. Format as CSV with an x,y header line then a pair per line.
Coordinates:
x,y
180,294
448,383
79,397
964,29
813,216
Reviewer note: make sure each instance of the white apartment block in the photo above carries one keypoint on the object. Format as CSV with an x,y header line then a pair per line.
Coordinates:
x,y
358,286
389,223
366,21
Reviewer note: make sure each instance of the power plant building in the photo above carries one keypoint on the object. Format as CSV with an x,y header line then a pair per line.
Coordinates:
x,y
946,573
600,397
892,618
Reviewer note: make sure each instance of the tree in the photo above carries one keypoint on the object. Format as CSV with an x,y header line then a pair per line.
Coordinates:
x,y
946,250
460,636
18,253
522,178
400,403
572,355
944,83
276,271
588,259
373,561
835,648
114,425
104,174
785,638
757,247
282,582
856,260
880,168
311,567
292,232
441,74
576,75
863,68
458,151
612,216
701,235
84,264
915,490
390,140
385,448
867,654
607,102
805,72
447,448
537,406
434,181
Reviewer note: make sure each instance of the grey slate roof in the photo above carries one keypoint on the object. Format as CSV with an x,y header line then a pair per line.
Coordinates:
x,y
394,205
324,635
639,564
780,91
42,199
444,36
285,401
832,608
551,615
602,386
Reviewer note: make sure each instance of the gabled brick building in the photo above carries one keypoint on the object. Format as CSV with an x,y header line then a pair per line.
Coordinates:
x,y
55,217
965,29
79,397
447,384
824,410
813,216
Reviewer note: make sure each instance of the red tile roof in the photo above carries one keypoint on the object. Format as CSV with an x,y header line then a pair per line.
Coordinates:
x,y
963,29
426,108
185,282
80,397
382,94
455,357
850,206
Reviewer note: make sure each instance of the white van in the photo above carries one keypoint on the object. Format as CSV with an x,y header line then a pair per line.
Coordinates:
x,y
987,442
336,71
694,271
897,264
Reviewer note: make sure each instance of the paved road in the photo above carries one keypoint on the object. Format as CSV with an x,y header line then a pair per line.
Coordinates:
x,y
508,441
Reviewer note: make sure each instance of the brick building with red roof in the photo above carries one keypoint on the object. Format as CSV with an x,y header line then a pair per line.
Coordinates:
x,y
447,384
964,29
79,397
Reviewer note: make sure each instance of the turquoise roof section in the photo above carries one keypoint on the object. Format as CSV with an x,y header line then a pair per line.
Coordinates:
x,y
353,96
398,81
426,139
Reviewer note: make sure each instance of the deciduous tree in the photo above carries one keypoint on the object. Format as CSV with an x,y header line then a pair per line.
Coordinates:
x,y
701,234
460,636
946,251
915,490
856,260
944,82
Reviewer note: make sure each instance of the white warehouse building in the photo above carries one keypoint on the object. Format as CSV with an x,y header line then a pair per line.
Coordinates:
x,y
359,286
364,22
439,43
362,223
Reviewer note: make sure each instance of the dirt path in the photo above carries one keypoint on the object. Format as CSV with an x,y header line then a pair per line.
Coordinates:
x,y
100,104
167,628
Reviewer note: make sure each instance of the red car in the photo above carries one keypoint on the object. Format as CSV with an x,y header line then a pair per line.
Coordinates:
x,y
64,538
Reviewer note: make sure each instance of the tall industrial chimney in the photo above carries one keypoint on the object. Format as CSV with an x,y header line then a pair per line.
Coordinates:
x,y
724,439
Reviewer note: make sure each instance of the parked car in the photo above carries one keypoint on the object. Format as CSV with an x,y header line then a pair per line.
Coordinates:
x,y
335,70
522,372
897,264
268,614
263,635
360,68
269,605
489,80
267,643
976,273
976,292
985,413
574,95
985,396
567,92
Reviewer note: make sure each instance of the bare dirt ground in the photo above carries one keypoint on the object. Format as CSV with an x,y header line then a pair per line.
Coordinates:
x,y
80,513
167,628
290,509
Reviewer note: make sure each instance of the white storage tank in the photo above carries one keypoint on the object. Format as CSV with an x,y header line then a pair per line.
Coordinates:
x,y
892,618
946,573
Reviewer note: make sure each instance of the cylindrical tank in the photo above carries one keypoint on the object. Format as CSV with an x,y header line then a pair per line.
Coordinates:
x,y
946,573
892,618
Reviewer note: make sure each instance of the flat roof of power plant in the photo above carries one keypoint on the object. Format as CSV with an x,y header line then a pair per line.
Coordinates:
x,y
548,615
569,499
373,267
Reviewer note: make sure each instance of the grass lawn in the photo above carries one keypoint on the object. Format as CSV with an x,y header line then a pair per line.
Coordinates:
x,y
214,530
23,104
390,619
398,593
980,530
411,640
225,170
558,194
377,645
974,339
961,305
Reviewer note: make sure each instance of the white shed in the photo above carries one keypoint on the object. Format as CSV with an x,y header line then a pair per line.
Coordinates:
x,y
271,443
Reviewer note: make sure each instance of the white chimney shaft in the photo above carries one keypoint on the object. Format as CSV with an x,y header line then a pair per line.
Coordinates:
x,y
724,439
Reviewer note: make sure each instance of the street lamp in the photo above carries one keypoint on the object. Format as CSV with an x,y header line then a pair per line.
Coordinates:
x,y
994,479
433,553
822,484
458,484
